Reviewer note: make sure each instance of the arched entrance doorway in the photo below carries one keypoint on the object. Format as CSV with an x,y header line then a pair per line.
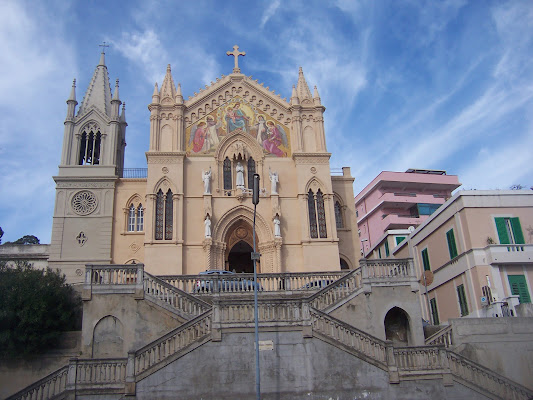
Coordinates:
x,y
239,245
397,326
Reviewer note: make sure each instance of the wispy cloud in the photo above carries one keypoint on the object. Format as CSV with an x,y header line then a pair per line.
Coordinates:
x,y
269,12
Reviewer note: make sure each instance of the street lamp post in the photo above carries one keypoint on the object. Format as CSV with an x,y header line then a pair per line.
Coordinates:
x,y
255,258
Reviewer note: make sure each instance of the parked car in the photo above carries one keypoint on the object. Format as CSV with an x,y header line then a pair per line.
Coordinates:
x,y
229,282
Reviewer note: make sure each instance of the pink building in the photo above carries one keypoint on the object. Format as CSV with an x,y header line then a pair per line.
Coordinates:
x,y
395,201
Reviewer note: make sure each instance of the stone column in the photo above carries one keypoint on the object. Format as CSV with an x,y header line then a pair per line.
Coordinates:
x,y
206,244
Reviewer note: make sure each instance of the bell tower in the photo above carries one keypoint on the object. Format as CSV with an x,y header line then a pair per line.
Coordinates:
x,y
92,160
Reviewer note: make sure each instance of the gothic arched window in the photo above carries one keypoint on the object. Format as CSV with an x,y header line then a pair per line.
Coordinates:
x,y
312,214
321,214
251,172
338,215
140,218
168,215
228,184
90,148
159,215
131,219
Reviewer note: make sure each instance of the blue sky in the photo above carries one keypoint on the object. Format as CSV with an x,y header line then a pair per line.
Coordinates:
x,y
406,83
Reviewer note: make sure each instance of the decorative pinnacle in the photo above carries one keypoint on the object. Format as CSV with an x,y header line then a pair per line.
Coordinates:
x,y
236,53
72,96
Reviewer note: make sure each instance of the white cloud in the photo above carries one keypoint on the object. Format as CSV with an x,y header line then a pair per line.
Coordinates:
x,y
269,12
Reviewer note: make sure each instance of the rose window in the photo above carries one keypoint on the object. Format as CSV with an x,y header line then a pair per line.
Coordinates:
x,y
84,202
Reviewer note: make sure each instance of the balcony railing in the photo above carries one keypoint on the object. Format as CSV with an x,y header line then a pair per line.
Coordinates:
x,y
133,173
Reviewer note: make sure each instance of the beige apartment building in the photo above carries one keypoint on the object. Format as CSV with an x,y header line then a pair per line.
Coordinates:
x,y
477,254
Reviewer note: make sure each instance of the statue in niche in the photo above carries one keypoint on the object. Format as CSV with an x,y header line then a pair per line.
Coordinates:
x,y
206,177
274,179
207,226
240,176
277,226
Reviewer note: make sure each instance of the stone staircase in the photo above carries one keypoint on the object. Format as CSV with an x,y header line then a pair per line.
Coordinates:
x,y
307,313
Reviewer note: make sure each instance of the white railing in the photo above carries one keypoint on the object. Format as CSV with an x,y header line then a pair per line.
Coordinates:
x,y
127,274
240,312
160,290
486,379
442,337
172,343
363,343
418,359
46,388
394,269
336,291
101,371
231,283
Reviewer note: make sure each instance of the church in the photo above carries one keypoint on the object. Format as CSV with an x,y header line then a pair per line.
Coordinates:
x,y
191,209
139,244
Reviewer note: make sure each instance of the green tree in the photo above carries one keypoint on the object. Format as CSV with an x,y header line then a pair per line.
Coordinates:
x,y
27,239
36,306
1,234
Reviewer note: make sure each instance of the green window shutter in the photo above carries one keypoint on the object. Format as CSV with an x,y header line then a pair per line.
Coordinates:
x,y
517,231
434,311
425,260
463,305
502,231
518,286
399,239
379,252
452,247
387,248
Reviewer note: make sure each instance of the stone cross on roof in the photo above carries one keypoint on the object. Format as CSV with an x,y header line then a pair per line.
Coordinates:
x,y
103,46
236,53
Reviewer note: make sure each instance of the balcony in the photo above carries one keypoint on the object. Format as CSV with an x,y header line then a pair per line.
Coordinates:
x,y
509,253
401,221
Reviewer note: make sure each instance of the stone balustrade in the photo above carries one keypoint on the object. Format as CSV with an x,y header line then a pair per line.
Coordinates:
x,y
179,300
384,269
442,337
46,388
373,349
337,291
419,359
229,283
100,371
172,343
484,378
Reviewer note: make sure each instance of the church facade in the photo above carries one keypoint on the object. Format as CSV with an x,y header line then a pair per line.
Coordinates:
x,y
191,209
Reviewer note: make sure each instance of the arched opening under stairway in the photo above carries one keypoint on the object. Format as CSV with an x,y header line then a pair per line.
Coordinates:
x,y
397,326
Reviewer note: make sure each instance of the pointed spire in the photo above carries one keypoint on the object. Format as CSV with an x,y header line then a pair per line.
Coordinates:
x,y
155,95
179,97
123,113
294,96
72,96
168,89
302,88
98,94
316,97
115,95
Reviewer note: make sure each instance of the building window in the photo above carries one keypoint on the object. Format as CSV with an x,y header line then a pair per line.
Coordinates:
x,y
312,214
251,172
519,287
434,311
379,252
463,305
338,215
423,209
452,247
140,218
163,215
399,239
135,218
131,219
228,184
425,260
321,214
344,264
387,252
509,230
168,215
90,148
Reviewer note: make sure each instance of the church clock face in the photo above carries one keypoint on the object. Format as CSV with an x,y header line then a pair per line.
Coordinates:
x,y
237,116
84,202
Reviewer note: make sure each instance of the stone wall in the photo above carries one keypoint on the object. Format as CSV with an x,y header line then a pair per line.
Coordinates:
x,y
291,368
504,345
